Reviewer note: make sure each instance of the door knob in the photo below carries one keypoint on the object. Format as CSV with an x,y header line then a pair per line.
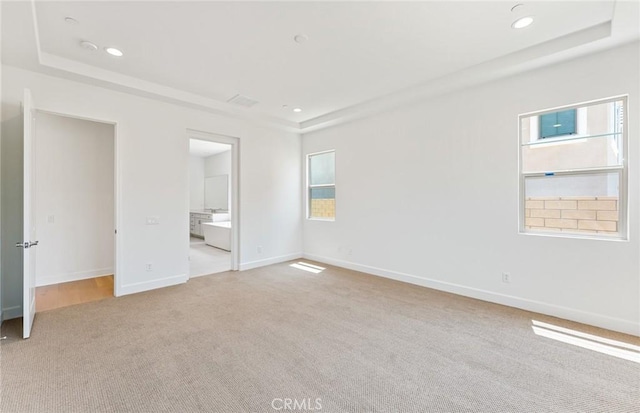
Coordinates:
x,y
26,244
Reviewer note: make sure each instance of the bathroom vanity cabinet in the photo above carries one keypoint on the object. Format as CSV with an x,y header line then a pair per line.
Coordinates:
x,y
197,218
195,222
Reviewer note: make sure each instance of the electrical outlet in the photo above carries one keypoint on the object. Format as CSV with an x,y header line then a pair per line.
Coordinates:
x,y
259,249
149,267
506,277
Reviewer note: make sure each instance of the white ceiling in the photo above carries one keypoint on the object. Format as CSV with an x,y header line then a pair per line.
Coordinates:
x,y
357,56
204,149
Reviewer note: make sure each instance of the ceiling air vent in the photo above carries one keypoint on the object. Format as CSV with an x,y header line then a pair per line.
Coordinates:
x,y
242,101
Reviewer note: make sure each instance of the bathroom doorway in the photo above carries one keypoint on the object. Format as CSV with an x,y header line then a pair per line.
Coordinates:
x,y
74,187
212,206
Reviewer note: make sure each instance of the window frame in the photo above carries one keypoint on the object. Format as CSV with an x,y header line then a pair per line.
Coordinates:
x,y
622,170
308,187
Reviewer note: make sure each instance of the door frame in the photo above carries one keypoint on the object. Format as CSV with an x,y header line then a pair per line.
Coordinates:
x,y
117,198
235,186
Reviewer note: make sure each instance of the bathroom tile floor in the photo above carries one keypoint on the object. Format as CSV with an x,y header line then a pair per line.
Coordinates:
x,y
205,259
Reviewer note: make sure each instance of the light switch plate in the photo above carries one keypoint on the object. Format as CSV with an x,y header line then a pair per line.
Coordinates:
x,y
153,220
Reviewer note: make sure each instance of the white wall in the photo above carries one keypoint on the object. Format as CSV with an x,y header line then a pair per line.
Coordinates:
x,y
153,180
219,164
429,194
196,182
74,192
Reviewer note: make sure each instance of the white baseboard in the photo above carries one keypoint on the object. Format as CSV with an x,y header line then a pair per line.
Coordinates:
x,y
268,261
151,285
598,320
11,312
73,276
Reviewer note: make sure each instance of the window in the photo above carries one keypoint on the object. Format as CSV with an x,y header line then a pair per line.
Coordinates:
x,y
573,170
321,182
558,123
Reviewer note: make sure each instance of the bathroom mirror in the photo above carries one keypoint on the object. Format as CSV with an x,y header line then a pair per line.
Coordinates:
x,y
216,192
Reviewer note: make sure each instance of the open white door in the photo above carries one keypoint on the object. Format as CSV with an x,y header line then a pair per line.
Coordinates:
x,y
29,231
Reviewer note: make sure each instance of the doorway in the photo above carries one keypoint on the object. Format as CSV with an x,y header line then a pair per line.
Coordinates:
x,y
213,207
74,209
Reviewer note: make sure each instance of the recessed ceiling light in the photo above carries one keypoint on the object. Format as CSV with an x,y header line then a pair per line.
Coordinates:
x,y
70,20
113,51
300,38
522,22
297,110
88,45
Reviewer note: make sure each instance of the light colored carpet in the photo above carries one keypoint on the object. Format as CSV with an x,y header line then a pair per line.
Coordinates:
x,y
234,342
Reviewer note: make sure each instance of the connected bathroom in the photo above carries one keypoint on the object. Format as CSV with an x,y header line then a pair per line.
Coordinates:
x,y
210,169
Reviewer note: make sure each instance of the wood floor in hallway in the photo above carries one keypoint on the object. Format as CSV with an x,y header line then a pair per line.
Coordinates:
x,y
53,296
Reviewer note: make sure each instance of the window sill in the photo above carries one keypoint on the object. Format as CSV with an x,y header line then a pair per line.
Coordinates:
x,y
592,237
320,219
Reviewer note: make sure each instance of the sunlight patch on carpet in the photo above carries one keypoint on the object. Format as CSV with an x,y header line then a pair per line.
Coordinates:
x,y
602,345
305,266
